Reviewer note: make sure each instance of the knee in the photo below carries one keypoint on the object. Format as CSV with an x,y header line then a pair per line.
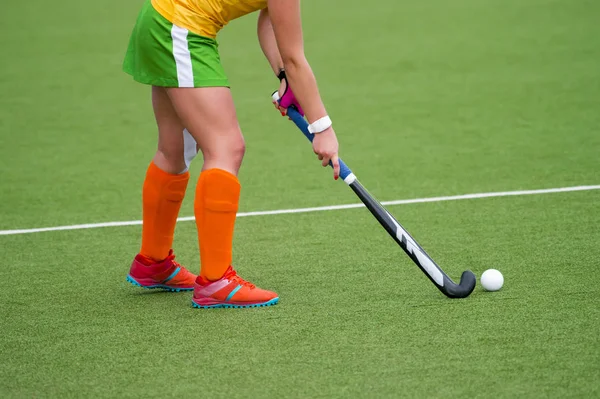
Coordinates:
x,y
227,153
238,150
233,153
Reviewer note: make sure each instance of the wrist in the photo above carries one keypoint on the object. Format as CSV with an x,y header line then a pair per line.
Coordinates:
x,y
281,74
320,125
326,132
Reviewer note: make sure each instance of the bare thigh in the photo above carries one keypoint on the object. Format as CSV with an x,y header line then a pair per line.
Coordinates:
x,y
209,115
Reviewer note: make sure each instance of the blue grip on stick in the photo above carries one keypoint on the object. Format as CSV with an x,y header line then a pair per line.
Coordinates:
x,y
303,126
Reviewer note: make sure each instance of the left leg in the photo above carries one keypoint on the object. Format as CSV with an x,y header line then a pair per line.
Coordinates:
x,y
209,115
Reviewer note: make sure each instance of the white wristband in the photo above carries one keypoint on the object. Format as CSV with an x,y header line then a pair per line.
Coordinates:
x,y
320,125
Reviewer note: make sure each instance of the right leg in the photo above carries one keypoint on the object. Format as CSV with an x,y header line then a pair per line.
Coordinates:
x,y
166,180
163,192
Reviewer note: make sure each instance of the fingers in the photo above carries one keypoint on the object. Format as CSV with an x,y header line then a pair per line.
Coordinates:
x,y
323,158
335,161
327,158
281,110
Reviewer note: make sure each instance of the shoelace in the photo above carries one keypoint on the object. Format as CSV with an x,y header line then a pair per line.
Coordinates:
x,y
171,258
233,276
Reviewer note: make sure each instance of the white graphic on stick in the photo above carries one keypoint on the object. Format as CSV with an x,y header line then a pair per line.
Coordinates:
x,y
413,248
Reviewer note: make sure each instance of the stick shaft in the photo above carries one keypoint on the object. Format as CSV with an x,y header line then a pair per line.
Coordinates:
x,y
395,229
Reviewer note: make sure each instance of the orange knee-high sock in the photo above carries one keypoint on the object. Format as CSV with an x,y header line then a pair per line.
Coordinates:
x,y
215,208
161,196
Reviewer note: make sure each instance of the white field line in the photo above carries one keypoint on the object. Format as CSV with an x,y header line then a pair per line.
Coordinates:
x,y
316,209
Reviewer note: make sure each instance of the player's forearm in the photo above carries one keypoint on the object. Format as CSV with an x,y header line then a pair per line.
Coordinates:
x,y
267,41
302,80
286,21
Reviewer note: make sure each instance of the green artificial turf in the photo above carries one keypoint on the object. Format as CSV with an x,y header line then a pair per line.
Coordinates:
x,y
428,99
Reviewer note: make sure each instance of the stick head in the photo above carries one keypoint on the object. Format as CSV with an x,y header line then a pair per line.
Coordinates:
x,y
462,290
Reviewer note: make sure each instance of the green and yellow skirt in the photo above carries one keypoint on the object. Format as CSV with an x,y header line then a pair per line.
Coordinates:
x,y
163,54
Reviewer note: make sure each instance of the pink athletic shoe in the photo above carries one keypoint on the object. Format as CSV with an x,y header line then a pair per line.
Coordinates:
x,y
231,291
168,274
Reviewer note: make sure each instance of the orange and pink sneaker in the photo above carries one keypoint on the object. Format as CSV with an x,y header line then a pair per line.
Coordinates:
x,y
230,291
168,274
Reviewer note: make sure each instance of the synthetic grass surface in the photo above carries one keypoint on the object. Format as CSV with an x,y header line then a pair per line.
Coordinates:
x,y
428,98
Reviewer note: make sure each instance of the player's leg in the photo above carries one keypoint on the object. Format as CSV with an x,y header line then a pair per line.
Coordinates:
x,y
209,115
163,192
188,65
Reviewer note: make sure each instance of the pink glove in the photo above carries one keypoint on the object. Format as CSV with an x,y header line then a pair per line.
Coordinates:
x,y
288,98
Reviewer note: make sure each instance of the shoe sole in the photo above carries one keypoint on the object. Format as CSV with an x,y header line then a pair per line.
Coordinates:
x,y
161,286
227,305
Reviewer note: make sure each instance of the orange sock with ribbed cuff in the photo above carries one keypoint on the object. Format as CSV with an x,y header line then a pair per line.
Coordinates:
x,y
215,209
162,196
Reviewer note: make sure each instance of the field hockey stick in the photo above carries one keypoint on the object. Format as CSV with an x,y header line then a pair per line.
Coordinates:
x,y
395,229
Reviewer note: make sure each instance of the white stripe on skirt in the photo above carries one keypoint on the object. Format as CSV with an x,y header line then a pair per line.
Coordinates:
x,y
183,59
